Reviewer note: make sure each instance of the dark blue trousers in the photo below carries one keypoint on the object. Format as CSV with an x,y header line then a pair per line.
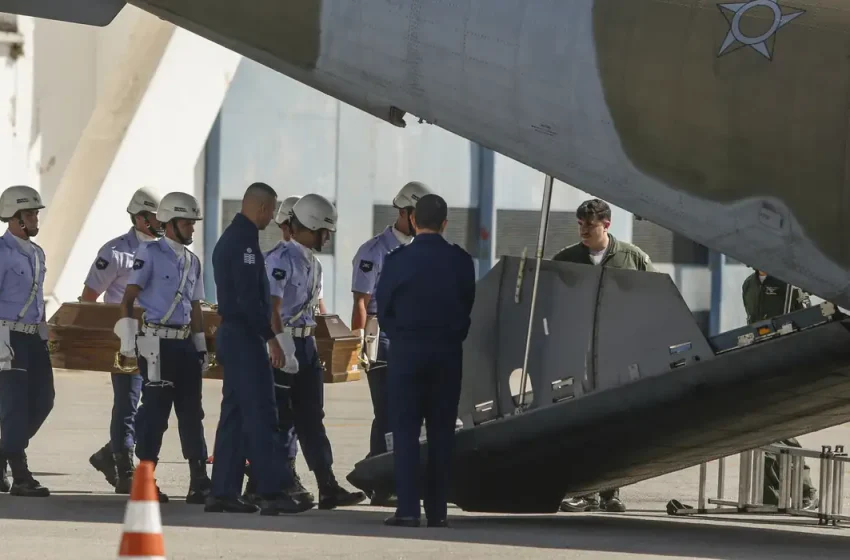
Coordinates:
x,y
377,377
288,439
126,392
306,407
26,393
425,384
249,423
292,447
179,363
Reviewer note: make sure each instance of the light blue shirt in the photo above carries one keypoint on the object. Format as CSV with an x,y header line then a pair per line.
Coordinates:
x,y
110,270
290,268
157,270
367,265
17,269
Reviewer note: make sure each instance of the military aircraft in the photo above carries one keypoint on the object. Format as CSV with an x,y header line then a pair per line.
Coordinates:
x,y
723,121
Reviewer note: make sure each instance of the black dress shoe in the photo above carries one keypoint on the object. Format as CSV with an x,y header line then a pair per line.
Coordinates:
x,y
29,488
402,521
332,495
383,500
229,505
273,505
438,523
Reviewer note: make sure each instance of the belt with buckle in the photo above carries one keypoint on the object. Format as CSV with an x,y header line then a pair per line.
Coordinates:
x,y
25,328
163,331
299,332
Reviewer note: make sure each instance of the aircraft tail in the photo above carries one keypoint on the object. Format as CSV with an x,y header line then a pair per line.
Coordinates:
x,y
88,12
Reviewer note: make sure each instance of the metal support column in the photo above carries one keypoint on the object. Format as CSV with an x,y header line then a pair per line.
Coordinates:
x,y
212,204
716,263
541,242
483,187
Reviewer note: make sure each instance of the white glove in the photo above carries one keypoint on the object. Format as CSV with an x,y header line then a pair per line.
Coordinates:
x,y
43,332
288,347
200,341
6,352
126,329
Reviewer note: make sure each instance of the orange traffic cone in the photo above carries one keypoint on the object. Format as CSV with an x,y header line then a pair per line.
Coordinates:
x,y
142,537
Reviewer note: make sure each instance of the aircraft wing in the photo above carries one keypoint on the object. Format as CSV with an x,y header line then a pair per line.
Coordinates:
x,y
725,122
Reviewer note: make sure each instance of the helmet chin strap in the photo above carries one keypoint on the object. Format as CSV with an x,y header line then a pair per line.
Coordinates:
x,y
152,230
317,240
179,235
24,227
410,231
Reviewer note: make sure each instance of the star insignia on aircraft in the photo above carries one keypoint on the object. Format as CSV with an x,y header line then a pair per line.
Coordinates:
x,y
735,11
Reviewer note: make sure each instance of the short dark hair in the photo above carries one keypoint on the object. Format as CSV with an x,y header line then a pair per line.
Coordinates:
x,y
431,211
593,209
258,191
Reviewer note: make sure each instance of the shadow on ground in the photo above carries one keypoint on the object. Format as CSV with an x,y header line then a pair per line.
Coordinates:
x,y
624,533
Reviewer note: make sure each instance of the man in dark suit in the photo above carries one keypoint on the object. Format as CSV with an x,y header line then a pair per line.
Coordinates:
x,y
425,296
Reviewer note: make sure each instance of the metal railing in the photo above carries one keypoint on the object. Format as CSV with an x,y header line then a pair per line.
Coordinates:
x,y
830,507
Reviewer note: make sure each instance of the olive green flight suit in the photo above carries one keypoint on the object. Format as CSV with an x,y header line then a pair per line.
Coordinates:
x,y
765,299
618,254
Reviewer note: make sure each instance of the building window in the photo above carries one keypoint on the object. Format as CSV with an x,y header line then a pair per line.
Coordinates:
x,y
462,227
516,229
664,246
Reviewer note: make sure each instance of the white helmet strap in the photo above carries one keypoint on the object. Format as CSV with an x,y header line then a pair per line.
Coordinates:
x,y
146,216
17,216
180,237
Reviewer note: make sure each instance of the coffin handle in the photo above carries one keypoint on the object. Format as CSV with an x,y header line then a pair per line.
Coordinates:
x,y
124,364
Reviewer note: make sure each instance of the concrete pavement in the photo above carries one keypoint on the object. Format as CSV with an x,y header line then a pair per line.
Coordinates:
x,y
82,519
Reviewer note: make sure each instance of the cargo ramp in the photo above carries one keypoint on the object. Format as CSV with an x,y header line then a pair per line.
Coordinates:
x,y
623,386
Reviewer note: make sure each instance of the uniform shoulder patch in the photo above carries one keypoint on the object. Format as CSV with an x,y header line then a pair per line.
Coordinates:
x,y
138,264
278,274
366,266
102,263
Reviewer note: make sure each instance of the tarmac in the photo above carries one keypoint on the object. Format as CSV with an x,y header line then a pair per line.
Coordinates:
x,y
82,519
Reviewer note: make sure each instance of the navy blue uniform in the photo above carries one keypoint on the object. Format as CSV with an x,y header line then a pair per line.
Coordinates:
x,y
248,408
425,296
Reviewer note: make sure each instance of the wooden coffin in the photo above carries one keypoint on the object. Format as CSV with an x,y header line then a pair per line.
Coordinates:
x,y
81,337
339,349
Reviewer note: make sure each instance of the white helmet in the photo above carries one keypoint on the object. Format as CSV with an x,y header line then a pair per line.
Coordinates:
x,y
17,198
410,194
178,205
285,210
143,201
315,212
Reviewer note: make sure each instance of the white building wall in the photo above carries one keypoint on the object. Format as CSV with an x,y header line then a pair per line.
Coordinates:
x,y
276,130
63,97
98,113
16,71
